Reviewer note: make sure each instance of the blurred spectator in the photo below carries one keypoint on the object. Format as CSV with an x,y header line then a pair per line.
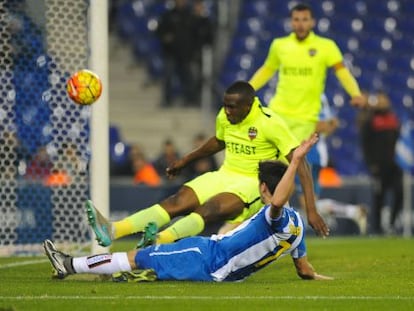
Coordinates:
x,y
11,156
61,169
40,166
203,165
204,36
175,31
74,164
144,171
134,150
167,156
379,131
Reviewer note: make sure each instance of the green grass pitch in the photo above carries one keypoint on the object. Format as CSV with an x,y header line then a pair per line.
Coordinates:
x,y
370,274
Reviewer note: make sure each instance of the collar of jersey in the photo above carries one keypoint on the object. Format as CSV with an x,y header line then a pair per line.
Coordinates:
x,y
308,39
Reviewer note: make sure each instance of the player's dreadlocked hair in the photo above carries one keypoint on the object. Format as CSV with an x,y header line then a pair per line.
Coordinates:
x,y
271,172
244,89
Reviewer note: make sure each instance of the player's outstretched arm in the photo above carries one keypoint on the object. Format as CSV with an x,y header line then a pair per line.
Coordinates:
x,y
314,219
210,147
306,272
283,189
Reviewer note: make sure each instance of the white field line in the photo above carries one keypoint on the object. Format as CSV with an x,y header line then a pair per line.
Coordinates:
x,y
23,263
47,297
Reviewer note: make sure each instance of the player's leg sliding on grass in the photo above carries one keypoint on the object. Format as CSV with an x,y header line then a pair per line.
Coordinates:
x,y
276,230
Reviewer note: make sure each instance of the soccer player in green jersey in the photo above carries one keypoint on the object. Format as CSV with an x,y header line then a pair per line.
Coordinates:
x,y
249,133
302,60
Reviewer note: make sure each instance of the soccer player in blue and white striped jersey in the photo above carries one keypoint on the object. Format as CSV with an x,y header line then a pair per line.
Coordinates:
x,y
276,230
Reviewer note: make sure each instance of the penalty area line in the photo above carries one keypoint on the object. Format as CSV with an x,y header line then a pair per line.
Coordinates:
x,y
49,297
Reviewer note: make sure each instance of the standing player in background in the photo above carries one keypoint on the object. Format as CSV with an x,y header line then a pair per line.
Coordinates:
x,y
275,231
302,60
249,133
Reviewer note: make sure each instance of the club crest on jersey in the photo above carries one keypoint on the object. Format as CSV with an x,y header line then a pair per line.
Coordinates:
x,y
252,133
312,52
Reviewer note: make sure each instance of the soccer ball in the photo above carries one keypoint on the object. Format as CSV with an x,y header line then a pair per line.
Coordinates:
x,y
84,87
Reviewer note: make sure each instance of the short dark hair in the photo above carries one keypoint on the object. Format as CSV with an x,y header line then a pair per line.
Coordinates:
x,y
301,7
271,172
244,89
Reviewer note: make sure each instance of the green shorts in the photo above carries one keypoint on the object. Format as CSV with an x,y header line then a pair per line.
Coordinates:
x,y
300,128
245,187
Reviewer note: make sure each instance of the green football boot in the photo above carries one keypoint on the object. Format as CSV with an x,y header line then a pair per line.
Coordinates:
x,y
99,224
149,235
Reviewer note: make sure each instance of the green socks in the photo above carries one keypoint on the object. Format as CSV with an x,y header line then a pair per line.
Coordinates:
x,y
139,220
187,226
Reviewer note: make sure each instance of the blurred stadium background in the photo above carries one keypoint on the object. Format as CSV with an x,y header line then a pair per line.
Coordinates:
x,y
43,134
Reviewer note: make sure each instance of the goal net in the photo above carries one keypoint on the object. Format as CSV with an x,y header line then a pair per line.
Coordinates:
x,y
44,137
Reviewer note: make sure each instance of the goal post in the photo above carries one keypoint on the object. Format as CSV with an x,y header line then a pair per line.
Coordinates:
x,y
98,40
53,153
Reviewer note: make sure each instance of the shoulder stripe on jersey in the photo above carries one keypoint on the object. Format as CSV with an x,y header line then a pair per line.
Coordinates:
x,y
266,114
248,204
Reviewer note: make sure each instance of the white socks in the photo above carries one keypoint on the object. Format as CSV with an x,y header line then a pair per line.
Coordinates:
x,y
102,264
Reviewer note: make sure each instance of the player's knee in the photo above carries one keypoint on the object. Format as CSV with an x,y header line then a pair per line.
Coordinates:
x,y
209,212
182,202
215,210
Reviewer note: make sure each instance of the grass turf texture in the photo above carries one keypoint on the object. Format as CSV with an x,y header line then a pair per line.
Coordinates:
x,y
370,273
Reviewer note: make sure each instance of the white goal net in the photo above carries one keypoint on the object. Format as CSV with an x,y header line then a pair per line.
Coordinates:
x,y
44,137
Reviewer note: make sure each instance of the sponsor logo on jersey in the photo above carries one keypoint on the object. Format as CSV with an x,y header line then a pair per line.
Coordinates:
x,y
240,148
297,71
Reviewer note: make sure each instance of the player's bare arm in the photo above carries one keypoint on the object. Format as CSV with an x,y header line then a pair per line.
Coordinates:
x,y
327,127
314,219
359,101
283,189
210,147
305,270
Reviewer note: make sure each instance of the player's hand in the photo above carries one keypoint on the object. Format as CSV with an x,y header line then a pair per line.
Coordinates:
x,y
174,169
359,101
301,151
321,277
318,224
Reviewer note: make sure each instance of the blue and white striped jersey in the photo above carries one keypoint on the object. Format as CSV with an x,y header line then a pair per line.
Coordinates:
x,y
256,243
232,256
